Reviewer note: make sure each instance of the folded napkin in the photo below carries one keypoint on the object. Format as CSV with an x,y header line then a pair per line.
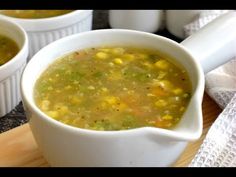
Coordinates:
x,y
219,146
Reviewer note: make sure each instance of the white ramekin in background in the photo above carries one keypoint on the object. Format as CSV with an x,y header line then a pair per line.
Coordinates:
x,y
142,20
46,30
10,72
177,19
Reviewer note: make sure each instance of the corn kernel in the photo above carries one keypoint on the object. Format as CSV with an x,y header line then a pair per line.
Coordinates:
x,y
87,126
150,95
68,72
50,88
53,114
76,82
182,109
75,100
103,105
91,87
104,89
160,103
118,51
100,128
45,105
76,121
104,50
161,74
111,99
186,95
58,91
177,91
111,64
142,56
130,92
122,106
102,55
115,76
66,121
118,61
128,57
148,65
151,122
162,64
63,110
68,87
165,84
167,117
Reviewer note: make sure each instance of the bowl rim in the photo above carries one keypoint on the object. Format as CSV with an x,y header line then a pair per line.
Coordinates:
x,y
153,130
50,23
23,50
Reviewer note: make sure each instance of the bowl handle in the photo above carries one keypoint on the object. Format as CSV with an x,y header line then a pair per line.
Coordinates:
x,y
215,43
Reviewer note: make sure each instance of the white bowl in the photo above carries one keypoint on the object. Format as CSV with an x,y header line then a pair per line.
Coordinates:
x,y
10,72
46,30
64,145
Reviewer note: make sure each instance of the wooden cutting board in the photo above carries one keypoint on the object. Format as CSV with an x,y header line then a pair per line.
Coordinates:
x,y
19,149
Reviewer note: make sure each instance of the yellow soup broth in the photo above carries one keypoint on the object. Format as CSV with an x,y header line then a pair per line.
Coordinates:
x,y
34,14
114,88
8,49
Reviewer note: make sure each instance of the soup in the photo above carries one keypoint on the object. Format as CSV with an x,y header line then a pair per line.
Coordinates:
x,y
34,14
8,49
114,88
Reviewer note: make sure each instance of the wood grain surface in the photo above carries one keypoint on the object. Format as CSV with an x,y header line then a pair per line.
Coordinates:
x,y
19,149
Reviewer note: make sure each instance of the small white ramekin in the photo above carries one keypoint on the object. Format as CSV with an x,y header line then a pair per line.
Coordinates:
x,y
46,30
10,72
142,20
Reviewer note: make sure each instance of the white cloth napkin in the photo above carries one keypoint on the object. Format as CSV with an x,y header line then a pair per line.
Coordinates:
x,y
219,146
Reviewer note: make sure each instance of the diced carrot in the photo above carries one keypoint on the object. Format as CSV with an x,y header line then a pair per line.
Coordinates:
x,y
163,123
158,91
